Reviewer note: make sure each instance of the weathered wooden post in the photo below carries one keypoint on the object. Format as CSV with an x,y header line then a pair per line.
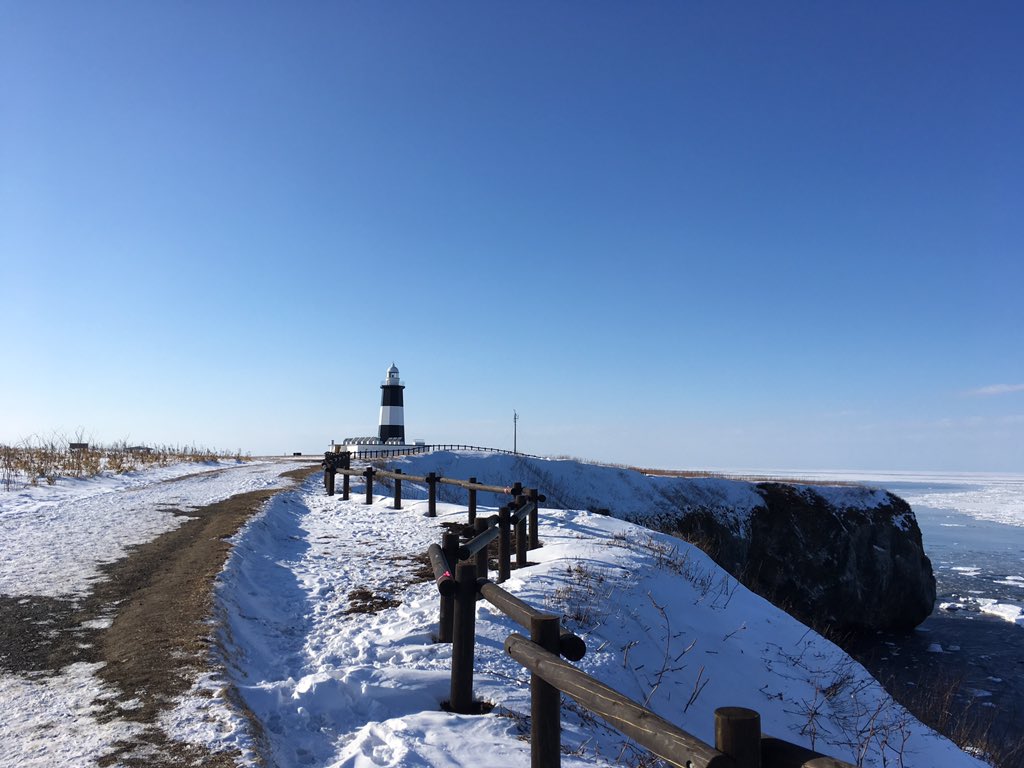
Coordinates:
x,y
450,547
463,640
481,557
504,544
515,490
534,536
520,535
738,735
472,502
329,479
344,486
368,473
545,701
432,494
398,490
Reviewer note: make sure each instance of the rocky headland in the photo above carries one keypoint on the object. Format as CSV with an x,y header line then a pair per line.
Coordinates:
x,y
848,558
851,559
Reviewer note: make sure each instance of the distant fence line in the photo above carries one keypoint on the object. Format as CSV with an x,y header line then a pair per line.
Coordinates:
x,y
411,450
461,570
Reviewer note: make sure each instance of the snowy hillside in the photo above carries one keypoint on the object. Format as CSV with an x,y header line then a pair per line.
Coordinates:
x,y
627,494
326,639
663,625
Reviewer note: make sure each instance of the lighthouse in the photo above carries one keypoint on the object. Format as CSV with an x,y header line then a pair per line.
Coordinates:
x,y
392,419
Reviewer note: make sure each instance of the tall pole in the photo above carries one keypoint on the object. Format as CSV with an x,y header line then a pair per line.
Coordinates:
x,y
515,432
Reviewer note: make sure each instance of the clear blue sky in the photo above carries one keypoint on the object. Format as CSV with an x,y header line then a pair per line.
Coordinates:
x,y
677,234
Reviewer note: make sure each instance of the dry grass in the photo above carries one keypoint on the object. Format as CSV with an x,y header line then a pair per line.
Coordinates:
x,y
698,473
38,459
974,730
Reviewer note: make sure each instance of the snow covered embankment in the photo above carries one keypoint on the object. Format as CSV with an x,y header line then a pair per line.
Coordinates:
x,y
846,556
335,678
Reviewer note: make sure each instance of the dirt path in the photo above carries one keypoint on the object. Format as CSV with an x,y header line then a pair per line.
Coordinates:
x,y
157,601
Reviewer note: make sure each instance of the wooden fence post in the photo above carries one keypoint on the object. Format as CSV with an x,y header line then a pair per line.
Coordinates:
x,y
450,547
472,502
463,640
344,486
329,480
481,557
545,701
738,735
432,494
398,490
520,536
504,544
534,536
369,485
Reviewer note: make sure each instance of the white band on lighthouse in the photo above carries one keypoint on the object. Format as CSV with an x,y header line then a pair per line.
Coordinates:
x,y
391,415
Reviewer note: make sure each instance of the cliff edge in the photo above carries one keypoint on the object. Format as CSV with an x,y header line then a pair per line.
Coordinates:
x,y
850,558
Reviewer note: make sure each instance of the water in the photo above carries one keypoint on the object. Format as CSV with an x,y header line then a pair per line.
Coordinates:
x,y
973,532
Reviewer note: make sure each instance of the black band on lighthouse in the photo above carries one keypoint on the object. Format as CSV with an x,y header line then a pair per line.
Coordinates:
x,y
391,395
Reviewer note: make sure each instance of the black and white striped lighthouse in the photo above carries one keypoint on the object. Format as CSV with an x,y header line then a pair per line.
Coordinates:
x,y
392,419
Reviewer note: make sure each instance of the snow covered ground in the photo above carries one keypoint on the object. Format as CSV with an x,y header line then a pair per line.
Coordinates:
x,y
54,538
332,687
52,541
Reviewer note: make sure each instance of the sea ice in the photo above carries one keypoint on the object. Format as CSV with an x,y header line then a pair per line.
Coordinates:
x,y
1006,611
970,571
1011,581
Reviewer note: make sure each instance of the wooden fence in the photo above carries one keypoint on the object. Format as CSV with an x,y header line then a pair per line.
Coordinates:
x,y
461,575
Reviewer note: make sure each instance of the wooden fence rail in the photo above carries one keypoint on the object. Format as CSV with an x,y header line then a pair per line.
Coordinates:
x,y
669,742
460,574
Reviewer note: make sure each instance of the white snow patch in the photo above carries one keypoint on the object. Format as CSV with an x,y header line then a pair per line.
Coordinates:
x,y
97,623
54,539
50,721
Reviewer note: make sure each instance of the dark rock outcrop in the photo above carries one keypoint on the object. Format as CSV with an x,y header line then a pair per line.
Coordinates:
x,y
850,566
